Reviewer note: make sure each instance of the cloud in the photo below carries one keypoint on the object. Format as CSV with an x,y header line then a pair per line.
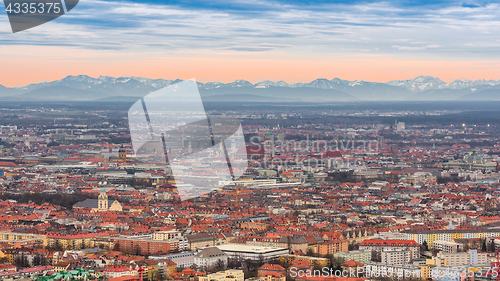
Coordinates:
x,y
298,27
470,5
416,48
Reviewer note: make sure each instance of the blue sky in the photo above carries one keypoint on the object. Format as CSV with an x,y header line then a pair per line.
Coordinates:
x,y
436,27
260,29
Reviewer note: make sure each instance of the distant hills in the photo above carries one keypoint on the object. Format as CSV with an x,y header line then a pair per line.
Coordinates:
x,y
105,88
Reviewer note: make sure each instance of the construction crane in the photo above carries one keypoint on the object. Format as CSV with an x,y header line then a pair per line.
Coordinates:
x,y
148,198
237,192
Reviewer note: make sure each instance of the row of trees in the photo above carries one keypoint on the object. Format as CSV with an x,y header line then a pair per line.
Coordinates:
x,y
25,261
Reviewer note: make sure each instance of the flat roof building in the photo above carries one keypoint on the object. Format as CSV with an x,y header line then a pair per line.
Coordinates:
x,y
256,253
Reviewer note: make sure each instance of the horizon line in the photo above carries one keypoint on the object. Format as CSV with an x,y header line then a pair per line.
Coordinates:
x,y
447,81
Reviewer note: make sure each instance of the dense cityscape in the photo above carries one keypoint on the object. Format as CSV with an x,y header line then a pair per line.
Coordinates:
x,y
331,192
276,140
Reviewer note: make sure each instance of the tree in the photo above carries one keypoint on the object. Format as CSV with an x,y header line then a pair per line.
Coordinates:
x,y
37,260
424,247
220,265
353,246
260,262
310,252
376,256
21,261
53,143
491,246
57,245
335,262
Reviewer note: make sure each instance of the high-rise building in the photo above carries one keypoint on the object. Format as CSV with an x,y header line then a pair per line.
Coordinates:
x,y
380,141
400,126
268,144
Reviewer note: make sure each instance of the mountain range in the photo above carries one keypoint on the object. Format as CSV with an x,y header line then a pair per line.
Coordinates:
x,y
106,88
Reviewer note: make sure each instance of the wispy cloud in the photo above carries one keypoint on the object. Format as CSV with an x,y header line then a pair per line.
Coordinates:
x,y
444,28
416,48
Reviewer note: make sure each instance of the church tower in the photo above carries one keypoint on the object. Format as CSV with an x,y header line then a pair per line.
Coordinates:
x,y
103,200
122,153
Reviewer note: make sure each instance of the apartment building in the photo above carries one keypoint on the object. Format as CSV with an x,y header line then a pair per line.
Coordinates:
x,y
145,245
182,259
377,269
228,275
381,245
396,257
10,237
73,241
331,247
359,256
447,246
255,253
430,236
200,240
166,235
166,267
471,257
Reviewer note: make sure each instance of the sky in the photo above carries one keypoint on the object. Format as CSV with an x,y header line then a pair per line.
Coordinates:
x,y
255,40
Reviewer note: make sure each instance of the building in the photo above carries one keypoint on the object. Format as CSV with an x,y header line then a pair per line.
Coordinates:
x,y
448,247
210,257
396,257
268,145
172,235
331,247
166,235
352,265
114,271
255,253
187,274
182,259
376,270
380,245
359,256
104,242
320,262
471,257
258,226
21,240
271,276
228,275
200,240
449,273
73,241
145,245
7,267
400,126
271,268
449,235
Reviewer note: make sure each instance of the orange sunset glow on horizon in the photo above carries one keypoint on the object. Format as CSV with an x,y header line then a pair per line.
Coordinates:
x,y
17,71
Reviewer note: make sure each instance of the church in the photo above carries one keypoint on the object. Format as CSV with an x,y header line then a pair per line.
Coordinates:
x,y
101,204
